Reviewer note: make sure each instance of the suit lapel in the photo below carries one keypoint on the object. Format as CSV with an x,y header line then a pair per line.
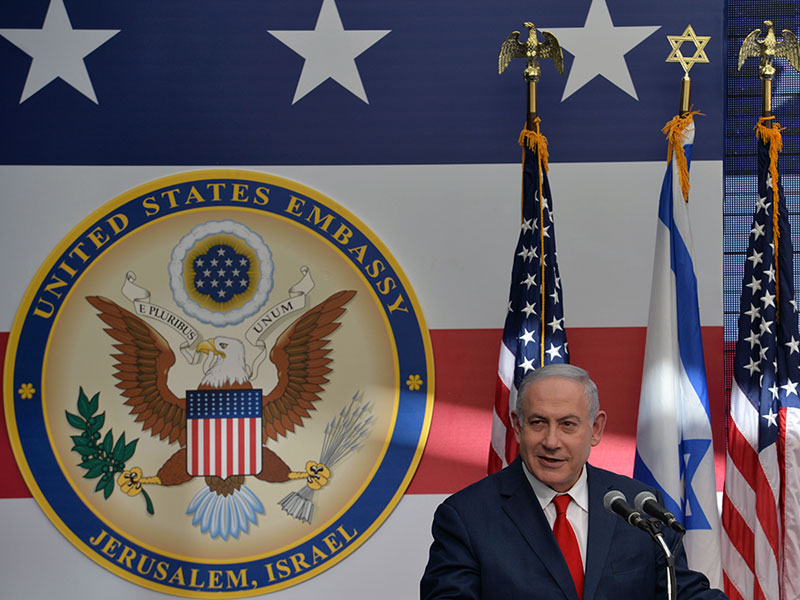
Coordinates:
x,y
522,507
601,532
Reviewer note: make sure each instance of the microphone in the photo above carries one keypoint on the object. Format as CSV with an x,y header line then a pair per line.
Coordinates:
x,y
647,502
614,501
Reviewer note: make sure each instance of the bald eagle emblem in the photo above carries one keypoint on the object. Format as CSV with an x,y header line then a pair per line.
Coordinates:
x,y
222,428
531,50
769,48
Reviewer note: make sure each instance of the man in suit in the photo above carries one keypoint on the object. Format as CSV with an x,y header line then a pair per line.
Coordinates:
x,y
495,539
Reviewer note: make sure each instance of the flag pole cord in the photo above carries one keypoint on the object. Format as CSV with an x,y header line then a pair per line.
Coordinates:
x,y
770,133
536,142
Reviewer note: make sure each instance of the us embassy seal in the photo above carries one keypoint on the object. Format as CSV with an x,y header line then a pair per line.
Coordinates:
x,y
219,384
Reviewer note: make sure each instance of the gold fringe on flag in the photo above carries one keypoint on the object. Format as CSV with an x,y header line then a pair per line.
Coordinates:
x,y
772,137
536,142
674,131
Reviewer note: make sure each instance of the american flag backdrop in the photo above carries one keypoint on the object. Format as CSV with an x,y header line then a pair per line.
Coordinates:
x,y
760,511
397,113
534,333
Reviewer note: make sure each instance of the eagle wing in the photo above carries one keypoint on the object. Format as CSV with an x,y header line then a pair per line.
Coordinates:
x,y
512,48
301,356
750,47
141,367
550,48
789,49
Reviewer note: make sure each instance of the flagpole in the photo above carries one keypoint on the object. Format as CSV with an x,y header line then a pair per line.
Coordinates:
x,y
686,93
530,123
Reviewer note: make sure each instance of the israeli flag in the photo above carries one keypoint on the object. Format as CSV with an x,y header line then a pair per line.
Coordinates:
x,y
674,449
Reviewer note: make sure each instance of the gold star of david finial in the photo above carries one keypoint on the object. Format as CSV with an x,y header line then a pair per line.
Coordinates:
x,y
699,42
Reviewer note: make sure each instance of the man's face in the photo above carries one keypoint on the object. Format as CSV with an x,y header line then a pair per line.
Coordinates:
x,y
554,432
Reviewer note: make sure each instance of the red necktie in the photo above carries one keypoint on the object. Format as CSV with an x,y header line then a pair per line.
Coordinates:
x,y
566,539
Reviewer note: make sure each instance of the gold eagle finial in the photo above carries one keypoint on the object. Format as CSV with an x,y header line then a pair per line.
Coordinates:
x,y
769,48
532,50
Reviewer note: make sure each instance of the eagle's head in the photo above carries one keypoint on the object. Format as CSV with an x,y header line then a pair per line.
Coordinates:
x,y
225,366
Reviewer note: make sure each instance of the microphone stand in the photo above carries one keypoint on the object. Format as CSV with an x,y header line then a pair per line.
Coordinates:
x,y
669,557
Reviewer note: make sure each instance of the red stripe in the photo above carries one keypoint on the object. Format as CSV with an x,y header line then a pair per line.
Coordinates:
x,y
254,445
193,449
739,532
758,594
495,464
232,450
206,453
218,446
240,452
746,460
466,376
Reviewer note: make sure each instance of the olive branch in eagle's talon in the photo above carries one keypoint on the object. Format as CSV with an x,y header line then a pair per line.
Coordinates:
x,y
103,459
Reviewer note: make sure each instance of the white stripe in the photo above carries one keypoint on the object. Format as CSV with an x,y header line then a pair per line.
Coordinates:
x,y
233,442
744,415
739,493
498,437
791,545
224,448
246,446
505,366
595,234
201,447
259,453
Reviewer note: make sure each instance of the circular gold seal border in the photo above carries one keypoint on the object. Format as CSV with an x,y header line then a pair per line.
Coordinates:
x,y
25,360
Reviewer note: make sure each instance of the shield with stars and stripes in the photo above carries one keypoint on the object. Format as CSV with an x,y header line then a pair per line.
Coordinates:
x,y
223,432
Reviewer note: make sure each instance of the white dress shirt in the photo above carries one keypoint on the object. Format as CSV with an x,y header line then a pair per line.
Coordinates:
x,y
577,511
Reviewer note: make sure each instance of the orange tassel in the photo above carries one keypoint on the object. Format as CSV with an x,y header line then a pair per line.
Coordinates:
x,y
675,130
535,142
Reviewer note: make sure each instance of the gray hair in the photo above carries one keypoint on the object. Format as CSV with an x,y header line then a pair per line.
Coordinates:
x,y
563,371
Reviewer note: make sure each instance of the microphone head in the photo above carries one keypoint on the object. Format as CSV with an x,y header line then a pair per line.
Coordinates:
x,y
643,497
611,497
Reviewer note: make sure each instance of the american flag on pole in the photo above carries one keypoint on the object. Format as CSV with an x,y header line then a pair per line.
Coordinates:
x,y
223,432
534,333
674,449
761,504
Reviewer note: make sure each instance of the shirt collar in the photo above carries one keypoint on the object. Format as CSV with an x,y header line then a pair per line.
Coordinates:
x,y
579,492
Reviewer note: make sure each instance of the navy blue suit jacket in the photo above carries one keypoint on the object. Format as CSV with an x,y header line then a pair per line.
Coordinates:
x,y
492,541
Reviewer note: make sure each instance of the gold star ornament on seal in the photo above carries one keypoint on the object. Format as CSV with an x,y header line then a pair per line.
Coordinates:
x,y
688,35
